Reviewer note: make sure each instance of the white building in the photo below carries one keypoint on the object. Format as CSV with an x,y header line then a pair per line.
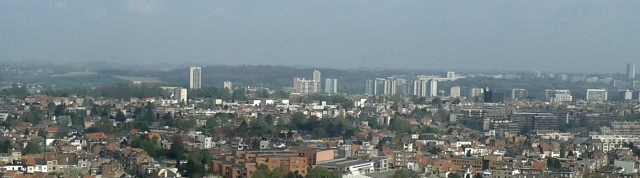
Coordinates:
x,y
352,167
317,77
476,92
631,70
180,94
390,86
455,92
451,74
228,85
433,88
559,96
195,74
595,95
420,88
610,142
331,85
305,86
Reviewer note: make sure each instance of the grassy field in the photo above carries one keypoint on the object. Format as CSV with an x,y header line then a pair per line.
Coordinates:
x,y
141,79
75,74
69,81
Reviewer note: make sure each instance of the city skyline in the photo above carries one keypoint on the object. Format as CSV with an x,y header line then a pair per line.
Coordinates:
x,y
499,35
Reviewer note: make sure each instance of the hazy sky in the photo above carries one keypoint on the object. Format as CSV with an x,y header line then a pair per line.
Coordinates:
x,y
557,35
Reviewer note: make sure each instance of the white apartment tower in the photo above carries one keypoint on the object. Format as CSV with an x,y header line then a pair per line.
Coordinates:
x,y
433,88
180,94
305,86
420,88
228,85
195,80
390,87
317,78
476,92
631,70
455,92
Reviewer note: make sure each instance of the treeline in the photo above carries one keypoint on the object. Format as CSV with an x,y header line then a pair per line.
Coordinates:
x,y
318,128
129,90
65,92
263,171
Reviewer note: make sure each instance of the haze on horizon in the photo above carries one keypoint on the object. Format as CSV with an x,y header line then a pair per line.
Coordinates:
x,y
571,35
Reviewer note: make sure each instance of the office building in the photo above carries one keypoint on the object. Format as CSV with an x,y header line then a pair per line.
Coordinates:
x,y
420,88
331,85
180,94
492,96
451,74
228,85
195,80
595,95
454,92
433,88
631,71
518,93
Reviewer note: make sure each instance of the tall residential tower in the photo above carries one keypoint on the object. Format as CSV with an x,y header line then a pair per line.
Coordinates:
x,y
195,74
631,70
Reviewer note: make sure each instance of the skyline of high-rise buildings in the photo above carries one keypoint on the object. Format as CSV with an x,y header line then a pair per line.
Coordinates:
x,y
195,77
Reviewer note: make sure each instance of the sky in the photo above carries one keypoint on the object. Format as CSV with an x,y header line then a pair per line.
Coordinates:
x,y
568,35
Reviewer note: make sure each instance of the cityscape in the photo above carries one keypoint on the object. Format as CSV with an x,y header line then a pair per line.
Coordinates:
x,y
326,89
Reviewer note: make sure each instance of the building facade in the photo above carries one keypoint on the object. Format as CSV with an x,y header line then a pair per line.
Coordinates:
x,y
331,85
195,80
228,85
631,71
596,95
455,92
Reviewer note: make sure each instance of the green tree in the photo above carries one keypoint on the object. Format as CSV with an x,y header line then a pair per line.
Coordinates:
x,y
211,123
120,117
299,118
320,172
239,95
403,173
269,119
5,145
177,147
188,124
262,171
282,94
436,101
373,122
32,148
318,133
259,127
265,94
563,150
243,128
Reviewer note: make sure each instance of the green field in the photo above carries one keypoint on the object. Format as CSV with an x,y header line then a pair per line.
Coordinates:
x,y
68,81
